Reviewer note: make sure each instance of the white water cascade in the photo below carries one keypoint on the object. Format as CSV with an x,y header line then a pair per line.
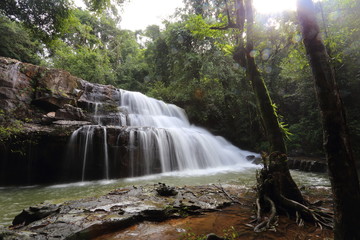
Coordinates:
x,y
159,138
167,140
106,154
90,155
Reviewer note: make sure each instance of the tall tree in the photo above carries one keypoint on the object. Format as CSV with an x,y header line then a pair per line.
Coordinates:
x,y
342,171
44,17
265,105
275,184
276,188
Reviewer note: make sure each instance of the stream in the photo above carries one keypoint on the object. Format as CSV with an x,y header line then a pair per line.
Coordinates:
x,y
14,199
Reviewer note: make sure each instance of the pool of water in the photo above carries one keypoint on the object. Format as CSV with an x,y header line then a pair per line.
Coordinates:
x,y
14,199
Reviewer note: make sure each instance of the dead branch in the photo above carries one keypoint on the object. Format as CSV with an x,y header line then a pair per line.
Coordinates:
x,y
227,195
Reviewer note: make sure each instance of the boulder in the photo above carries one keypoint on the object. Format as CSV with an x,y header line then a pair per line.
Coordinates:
x,y
33,214
69,112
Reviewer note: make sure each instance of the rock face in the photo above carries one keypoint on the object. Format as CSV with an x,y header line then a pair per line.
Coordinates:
x,y
40,109
88,218
27,90
308,164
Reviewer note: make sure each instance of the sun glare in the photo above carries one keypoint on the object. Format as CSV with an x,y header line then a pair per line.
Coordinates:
x,y
140,13
137,14
271,6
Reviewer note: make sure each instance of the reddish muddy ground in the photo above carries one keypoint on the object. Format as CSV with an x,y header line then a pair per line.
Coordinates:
x,y
231,221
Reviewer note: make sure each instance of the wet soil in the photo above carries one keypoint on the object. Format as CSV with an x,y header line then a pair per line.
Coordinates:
x,y
231,222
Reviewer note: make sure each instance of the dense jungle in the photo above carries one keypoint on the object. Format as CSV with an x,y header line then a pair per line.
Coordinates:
x,y
187,63
282,84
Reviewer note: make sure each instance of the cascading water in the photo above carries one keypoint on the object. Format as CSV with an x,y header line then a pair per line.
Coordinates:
x,y
157,136
168,141
106,154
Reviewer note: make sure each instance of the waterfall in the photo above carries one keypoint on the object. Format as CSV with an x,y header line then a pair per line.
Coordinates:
x,y
166,138
158,138
82,146
106,154
88,139
146,111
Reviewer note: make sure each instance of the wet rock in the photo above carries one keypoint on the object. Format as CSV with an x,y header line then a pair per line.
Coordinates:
x,y
254,159
88,218
50,114
33,214
54,88
155,215
164,190
299,163
70,112
307,164
212,236
250,157
35,155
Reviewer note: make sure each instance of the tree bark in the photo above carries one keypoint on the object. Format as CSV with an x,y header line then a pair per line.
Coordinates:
x,y
267,112
265,105
342,171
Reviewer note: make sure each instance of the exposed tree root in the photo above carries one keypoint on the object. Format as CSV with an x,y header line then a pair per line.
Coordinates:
x,y
267,223
278,194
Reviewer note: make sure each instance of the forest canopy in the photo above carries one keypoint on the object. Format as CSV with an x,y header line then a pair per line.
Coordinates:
x,y
190,61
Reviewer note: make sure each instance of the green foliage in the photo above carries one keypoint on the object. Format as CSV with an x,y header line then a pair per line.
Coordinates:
x,y
8,126
44,17
192,236
201,29
93,48
283,126
16,42
101,5
86,63
231,233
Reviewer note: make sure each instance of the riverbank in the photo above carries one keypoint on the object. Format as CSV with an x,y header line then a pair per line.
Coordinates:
x,y
150,211
231,223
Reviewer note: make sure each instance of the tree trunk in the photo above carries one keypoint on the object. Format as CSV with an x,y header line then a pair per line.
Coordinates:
x,y
342,171
265,105
268,115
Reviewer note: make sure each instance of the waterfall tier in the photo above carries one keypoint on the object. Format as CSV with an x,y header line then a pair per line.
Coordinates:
x,y
151,137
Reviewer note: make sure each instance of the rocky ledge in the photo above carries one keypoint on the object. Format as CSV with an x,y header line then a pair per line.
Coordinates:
x,y
119,209
306,164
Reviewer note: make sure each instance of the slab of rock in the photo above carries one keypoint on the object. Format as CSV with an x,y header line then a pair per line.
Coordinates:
x,y
308,164
305,164
121,208
69,112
